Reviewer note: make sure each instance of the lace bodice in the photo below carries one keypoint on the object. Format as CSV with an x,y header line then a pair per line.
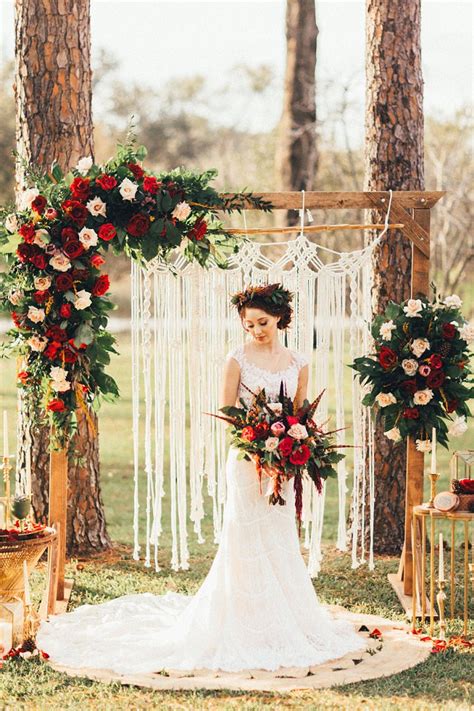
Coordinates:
x,y
257,378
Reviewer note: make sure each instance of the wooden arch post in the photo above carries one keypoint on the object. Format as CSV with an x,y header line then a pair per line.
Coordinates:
x,y
411,209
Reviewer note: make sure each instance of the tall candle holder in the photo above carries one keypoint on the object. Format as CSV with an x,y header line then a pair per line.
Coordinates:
x,y
433,479
6,482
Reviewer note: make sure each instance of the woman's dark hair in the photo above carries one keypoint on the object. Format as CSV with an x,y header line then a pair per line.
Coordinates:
x,y
272,298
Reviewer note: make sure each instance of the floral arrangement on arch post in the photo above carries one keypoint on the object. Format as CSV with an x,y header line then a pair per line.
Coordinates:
x,y
54,288
419,373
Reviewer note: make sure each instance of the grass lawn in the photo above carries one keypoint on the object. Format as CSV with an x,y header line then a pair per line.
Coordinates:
x,y
444,681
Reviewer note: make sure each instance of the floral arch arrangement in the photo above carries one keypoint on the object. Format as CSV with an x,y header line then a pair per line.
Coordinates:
x,y
55,290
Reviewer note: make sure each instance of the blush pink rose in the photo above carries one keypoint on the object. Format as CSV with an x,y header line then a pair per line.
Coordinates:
x,y
278,428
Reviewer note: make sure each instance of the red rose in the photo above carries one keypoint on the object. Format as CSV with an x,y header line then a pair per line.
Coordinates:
x,y
68,355
107,231
51,213
150,184
411,413
63,282
106,182
38,204
435,379
300,456
261,430
452,405
410,386
138,225
80,188
97,261
80,274
248,434
27,231
286,445
387,358
51,350
41,296
73,249
65,310
448,330
39,260
76,211
101,285
24,252
68,233
292,420
198,231
436,361
23,376
56,333
136,170
56,405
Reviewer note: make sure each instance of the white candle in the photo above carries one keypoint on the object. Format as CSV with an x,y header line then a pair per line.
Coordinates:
x,y
28,471
2,516
441,558
5,434
433,450
6,637
26,584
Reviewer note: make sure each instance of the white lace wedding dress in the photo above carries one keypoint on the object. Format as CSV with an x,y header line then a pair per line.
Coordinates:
x,y
256,609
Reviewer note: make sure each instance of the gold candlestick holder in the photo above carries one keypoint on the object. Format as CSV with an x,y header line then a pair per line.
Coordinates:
x,y
31,623
440,598
6,483
433,479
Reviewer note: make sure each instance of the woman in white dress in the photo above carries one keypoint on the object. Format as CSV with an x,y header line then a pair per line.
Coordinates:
x,y
257,608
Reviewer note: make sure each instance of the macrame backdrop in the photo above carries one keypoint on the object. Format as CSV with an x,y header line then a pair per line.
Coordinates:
x,y
182,328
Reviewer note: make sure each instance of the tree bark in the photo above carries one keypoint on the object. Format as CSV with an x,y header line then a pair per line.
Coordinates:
x,y
296,156
54,123
394,159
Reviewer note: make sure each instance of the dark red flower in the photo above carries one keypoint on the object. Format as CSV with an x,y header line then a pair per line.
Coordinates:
x,y
435,379
248,434
80,274
448,330
27,231
64,282
411,413
107,231
198,231
56,333
286,445
410,386
73,249
452,405
97,261
68,233
80,188
24,252
101,285
39,260
138,225
151,184
261,430
51,350
56,405
137,171
387,358
436,361
76,211
300,456
69,355
17,320
38,204
41,296
65,310
106,182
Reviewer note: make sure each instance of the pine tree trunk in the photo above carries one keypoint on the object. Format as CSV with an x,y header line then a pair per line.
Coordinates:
x,y
393,160
54,123
296,157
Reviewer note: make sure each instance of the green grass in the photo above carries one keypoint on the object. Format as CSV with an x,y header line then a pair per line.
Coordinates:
x,y
442,682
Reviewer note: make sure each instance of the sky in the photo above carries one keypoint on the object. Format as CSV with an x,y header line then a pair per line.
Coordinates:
x,y
159,40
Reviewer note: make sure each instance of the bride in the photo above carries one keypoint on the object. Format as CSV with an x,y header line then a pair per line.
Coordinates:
x,y
257,608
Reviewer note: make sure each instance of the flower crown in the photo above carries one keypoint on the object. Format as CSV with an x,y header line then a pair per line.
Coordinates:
x,y
271,294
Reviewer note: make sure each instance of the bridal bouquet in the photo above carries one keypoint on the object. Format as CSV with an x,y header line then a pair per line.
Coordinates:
x,y
283,443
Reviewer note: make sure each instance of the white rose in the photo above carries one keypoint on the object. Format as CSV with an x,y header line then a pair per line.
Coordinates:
x,y
276,408
88,238
42,238
15,297
410,366
467,332
58,373
84,165
419,346
385,399
60,262
127,189
36,315
82,300
423,397
38,343
97,207
386,330
181,211
27,197
42,283
11,223
413,308
393,434
453,301
458,427
423,445
298,432
271,444
60,386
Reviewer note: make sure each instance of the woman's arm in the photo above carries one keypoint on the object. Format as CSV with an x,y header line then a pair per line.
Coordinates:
x,y
302,389
230,383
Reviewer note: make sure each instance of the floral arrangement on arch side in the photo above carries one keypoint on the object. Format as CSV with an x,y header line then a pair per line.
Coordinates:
x,y
55,289
419,374
284,443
